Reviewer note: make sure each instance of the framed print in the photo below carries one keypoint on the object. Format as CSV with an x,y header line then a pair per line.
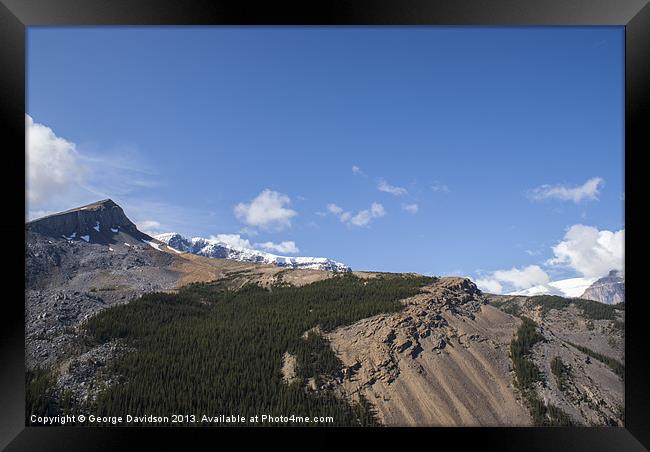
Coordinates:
x,y
357,215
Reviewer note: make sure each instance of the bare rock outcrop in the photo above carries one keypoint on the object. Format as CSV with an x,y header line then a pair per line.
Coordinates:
x,y
443,360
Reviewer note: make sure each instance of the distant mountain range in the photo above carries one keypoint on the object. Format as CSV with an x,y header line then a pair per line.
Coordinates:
x,y
609,289
218,249
100,222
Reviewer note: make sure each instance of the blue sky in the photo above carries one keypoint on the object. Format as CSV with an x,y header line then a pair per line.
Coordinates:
x,y
494,133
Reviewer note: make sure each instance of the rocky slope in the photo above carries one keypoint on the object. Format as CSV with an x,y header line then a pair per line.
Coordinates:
x,y
442,361
610,289
445,359
220,250
575,331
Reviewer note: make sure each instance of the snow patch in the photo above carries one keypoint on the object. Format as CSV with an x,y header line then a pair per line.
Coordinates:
x,y
126,244
72,236
152,244
115,229
96,227
86,238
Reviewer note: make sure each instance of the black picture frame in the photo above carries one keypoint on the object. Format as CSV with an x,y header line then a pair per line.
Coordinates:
x,y
16,15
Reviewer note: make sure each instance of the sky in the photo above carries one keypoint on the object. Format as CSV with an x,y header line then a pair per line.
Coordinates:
x,y
494,153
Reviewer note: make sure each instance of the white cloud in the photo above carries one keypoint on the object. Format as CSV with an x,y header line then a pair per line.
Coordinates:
x,y
590,251
148,224
60,176
53,164
150,227
238,242
587,191
360,218
232,240
286,247
410,208
392,189
377,210
333,208
267,211
440,187
357,171
489,285
522,278
514,278
364,217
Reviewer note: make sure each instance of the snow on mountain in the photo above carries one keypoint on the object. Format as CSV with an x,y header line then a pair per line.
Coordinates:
x,y
217,249
572,288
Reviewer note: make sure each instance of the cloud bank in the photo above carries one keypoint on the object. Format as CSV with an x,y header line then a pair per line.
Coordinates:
x,y
517,278
589,251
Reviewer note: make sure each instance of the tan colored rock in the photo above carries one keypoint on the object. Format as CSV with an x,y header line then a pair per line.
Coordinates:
x,y
406,366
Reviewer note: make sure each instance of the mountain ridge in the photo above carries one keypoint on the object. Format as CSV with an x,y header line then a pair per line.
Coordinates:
x,y
221,250
98,222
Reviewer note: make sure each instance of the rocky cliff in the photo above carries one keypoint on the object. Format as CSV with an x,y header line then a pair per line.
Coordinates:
x,y
442,361
609,290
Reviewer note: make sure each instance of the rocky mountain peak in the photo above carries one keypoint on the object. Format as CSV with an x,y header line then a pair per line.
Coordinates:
x,y
99,221
457,290
609,289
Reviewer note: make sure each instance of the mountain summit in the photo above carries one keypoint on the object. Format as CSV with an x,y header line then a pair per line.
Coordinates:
x,y
97,223
218,249
609,289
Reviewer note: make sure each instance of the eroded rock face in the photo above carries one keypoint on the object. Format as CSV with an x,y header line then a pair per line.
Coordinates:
x,y
609,290
441,361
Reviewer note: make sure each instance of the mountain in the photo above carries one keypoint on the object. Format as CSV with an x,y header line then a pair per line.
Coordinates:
x,y
572,287
99,222
609,290
111,312
84,260
221,250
